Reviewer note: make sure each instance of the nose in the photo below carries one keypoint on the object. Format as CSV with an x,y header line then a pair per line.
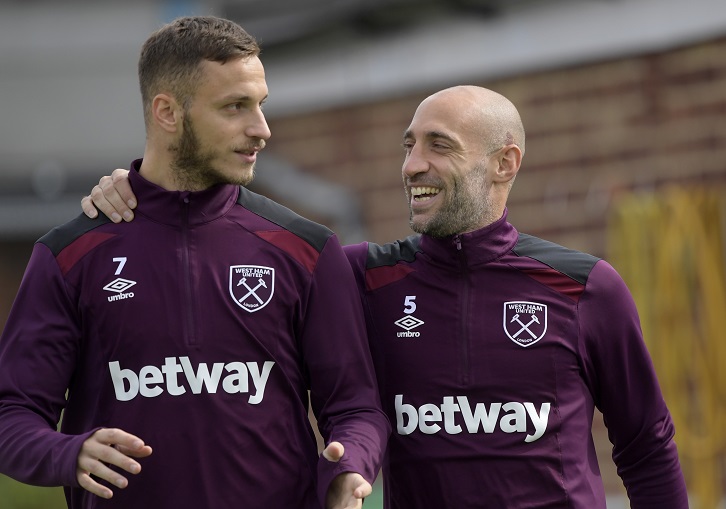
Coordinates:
x,y
258,128
415,162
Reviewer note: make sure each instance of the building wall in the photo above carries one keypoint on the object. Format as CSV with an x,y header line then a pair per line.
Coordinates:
x,y
592,131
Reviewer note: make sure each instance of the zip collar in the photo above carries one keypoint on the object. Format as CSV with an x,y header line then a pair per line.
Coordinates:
x,y
480,246
163,206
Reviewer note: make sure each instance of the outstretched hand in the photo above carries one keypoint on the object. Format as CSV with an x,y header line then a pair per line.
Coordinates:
x,y
348,489
113,196
109,446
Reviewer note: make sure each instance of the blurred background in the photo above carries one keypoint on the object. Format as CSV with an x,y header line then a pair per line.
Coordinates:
x,y
624,103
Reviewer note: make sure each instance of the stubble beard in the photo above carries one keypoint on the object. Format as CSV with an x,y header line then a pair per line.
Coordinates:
x,y
193,167
466,207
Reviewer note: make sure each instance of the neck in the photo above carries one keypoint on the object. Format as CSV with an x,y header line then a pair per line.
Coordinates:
x,y
156,168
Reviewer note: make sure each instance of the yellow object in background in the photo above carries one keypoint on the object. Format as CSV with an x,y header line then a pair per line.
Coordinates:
x,y
670,248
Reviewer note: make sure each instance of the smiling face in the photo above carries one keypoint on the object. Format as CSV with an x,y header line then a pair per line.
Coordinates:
x,y
446,205
458,165
223,128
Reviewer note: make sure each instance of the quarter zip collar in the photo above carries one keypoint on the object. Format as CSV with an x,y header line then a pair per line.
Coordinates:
x,y
162,206
477,247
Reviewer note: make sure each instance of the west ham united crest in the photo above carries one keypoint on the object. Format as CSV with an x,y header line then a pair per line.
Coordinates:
x,y
251,286
525,323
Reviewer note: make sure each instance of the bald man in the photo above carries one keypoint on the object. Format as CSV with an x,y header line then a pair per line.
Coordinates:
x,y
492,347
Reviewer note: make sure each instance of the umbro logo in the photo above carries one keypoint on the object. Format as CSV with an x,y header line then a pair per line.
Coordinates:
x,y
119,287
408,323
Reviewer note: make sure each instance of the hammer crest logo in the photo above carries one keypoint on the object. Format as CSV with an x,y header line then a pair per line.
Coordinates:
x,y
251,286
525,323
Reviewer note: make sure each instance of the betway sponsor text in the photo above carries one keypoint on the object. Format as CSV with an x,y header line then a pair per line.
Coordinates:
x,y
152,381
510,417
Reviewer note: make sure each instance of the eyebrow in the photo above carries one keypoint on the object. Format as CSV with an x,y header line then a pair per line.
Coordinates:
x,y
242,98
431,135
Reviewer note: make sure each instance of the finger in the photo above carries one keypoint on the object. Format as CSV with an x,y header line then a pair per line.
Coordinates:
x,y
107,198
115,436
363,490
88,208
88,484
106,207
135,453
111,456
121,184
116,448
334,451
91,467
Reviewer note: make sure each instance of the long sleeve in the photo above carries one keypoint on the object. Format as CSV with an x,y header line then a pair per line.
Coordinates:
x,y
38,350
624,384
344,392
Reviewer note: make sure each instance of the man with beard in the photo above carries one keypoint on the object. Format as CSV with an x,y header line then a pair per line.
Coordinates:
x,y
203,329
493,347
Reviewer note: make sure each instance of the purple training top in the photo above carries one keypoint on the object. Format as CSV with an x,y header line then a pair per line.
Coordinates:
x,y
492,349
200,327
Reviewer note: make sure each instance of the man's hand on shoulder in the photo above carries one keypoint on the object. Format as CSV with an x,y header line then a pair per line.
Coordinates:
x,y
113,196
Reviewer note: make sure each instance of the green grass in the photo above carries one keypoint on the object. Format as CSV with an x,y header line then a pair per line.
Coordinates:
x,y
375,501
14,495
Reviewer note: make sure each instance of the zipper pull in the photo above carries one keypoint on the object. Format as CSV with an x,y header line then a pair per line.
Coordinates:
x,y
457,240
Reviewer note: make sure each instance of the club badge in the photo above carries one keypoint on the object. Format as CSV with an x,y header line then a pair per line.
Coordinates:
x,y
251,286
525,323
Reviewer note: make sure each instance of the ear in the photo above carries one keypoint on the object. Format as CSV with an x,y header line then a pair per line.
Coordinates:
x,y
166,112
510,159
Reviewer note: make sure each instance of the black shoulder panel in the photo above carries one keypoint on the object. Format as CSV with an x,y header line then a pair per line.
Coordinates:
x,y
62,236
393,252
574,264
311,232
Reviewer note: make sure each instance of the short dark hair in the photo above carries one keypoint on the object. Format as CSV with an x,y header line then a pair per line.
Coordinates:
x,y
171,56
